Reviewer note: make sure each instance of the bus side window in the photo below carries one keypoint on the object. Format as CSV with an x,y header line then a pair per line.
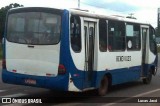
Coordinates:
x,y
153,46
75,33
102,35
133,36
116,35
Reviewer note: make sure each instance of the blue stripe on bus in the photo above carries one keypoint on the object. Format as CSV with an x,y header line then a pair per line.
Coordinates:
x,y
57,83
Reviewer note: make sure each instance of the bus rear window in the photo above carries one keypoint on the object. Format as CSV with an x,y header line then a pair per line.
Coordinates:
x,y
37,28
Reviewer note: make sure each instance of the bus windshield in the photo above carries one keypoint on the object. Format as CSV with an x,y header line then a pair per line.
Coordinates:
x,y
37,28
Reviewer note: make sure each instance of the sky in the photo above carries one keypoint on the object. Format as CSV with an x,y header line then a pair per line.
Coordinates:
x,y
143,10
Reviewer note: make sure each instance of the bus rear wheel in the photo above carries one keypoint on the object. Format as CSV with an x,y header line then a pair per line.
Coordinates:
x,y
103,89
148,79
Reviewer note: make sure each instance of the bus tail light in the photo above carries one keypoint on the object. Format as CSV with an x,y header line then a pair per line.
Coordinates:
x,y
14,71
61,69
4,64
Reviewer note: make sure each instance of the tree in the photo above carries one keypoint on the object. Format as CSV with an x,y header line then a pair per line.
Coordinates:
x,y
3,13
157,30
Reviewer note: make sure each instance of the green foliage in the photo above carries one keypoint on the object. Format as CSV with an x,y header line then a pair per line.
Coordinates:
x,y
3,12
157,30
158,49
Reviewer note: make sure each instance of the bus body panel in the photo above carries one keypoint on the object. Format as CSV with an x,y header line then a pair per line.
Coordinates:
x,y
39,60
79,57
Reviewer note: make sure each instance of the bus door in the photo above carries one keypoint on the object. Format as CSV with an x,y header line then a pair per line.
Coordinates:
x,y
145,34
89,42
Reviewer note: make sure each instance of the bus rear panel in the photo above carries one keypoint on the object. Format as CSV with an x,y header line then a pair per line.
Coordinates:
x,y
32,48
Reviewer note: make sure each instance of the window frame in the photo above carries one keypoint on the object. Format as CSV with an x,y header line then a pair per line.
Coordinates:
x,y
124,24
106,34
152,40
36,10
80,33
134,24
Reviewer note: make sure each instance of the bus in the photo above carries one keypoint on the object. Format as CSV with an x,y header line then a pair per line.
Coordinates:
x,y
76,50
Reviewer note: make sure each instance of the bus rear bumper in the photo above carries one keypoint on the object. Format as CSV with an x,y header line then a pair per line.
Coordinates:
x,y
59,82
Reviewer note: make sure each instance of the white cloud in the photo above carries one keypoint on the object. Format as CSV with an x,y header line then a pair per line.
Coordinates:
x,y
144,11
147,15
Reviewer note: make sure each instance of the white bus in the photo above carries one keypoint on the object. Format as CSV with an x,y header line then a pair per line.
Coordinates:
x,y
74,50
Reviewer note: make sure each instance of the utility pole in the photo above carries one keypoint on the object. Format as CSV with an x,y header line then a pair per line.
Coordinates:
x,y
78,3
131,14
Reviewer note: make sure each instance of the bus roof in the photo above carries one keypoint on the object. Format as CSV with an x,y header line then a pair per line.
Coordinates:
x,y
87,13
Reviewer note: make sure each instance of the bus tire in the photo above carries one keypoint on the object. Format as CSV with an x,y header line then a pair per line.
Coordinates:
x,y
103,88
148,79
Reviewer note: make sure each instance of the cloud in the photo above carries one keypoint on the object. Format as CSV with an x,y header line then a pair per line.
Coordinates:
x,y
114,5
144,10
148,16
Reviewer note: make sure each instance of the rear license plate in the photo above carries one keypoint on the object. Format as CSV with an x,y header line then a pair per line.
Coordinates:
x,y
30,81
